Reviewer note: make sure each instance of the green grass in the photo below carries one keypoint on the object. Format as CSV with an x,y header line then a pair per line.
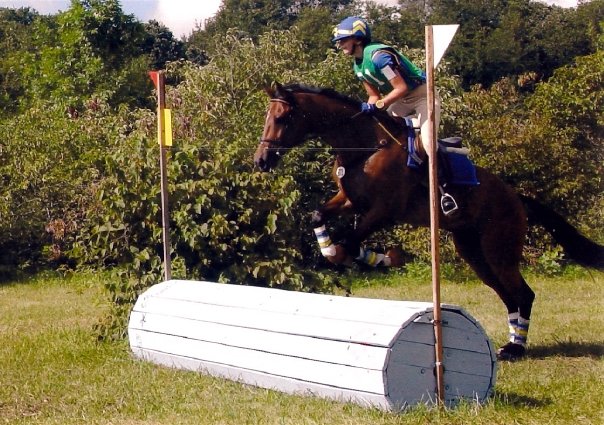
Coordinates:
x,y
52,370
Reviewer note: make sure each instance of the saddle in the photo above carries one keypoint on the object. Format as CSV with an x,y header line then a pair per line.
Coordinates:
x,y
454,165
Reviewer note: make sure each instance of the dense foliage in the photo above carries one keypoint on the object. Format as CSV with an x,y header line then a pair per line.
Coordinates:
x,y
79,155
497,38
92,50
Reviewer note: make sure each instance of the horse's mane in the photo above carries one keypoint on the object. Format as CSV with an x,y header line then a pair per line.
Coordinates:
x,y
331,93
294,88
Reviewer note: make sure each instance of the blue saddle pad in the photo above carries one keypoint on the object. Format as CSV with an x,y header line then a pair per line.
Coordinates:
x,y
459,169
453,159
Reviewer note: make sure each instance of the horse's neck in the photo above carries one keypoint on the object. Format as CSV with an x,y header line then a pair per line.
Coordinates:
x,y
342,130
340,125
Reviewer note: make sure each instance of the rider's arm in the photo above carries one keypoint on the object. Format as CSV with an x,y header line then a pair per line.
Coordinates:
x,y
372,92
399,90
385,63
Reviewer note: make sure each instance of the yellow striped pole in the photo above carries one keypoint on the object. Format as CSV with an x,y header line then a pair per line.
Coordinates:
x,y
164,135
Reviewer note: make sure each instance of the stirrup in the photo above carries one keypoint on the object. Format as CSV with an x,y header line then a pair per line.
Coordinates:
x,y
448,204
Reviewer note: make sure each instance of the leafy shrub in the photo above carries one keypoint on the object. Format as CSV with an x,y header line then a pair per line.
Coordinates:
x,y
549,263
49,167
546,144
229,223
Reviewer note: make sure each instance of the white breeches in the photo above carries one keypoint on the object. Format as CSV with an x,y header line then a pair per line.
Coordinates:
x,y
416,103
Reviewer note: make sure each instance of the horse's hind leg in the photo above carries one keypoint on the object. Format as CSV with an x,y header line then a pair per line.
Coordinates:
x,y
499,270
502,247
518,320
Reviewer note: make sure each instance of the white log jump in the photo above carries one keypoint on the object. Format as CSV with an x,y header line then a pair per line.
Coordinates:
x,y
371,352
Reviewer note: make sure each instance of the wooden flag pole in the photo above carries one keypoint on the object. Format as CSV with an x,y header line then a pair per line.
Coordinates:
x,y
159,80
434,212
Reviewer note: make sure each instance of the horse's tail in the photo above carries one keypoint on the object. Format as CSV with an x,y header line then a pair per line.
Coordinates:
x,y
579,248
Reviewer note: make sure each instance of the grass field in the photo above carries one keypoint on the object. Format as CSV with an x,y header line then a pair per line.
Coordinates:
x,y
52,370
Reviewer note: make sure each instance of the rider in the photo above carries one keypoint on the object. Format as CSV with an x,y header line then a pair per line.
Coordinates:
x,y
391,80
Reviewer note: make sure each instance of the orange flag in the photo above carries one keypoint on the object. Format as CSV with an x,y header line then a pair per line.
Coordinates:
x,y
155,77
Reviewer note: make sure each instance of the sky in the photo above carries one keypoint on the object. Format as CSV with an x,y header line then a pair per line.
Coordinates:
x,y
181,16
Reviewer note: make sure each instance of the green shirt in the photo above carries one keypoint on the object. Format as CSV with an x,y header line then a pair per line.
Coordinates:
x,y
375,57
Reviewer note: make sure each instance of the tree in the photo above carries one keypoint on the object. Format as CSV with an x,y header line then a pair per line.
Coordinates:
x,y
315,26
499,38
87,51
402,25
161,45
16,35
253,18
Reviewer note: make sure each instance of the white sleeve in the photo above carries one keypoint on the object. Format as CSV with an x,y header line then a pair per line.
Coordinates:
x,y
388,72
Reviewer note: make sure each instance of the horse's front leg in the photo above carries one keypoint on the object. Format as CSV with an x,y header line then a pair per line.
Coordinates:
x,y
351,249
336,206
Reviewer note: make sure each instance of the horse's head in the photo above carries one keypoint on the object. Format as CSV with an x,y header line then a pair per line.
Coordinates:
x,y
281,129
296,112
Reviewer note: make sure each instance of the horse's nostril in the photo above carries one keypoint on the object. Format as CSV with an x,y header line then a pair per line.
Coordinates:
x,y
261,164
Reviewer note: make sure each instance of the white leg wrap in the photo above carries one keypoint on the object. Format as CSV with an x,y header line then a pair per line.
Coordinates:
x,y
372,258
328,249
518,328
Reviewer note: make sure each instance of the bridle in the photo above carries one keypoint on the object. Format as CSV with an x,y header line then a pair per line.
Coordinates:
x,y
267,143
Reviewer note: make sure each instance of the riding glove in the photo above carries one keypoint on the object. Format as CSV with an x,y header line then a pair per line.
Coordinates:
x,y
367,108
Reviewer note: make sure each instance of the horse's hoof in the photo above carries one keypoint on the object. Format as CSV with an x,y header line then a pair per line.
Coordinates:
x,y
396,257
511,352
339,257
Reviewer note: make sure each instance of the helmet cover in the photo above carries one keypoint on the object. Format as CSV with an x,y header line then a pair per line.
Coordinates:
x,y
353,26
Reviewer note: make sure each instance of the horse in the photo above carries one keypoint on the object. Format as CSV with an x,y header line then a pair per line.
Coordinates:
x,y
375,182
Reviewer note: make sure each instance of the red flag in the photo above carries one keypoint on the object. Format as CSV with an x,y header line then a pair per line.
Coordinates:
x,y
155,77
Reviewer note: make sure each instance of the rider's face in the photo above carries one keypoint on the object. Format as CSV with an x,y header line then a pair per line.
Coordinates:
x,y
347,45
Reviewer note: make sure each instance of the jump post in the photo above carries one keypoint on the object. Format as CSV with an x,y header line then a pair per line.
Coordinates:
x,y
376,353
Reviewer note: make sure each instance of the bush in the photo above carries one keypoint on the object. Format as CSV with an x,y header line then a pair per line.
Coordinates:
x,y
49,168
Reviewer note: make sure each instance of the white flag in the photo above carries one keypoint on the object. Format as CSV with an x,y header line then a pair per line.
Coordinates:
x,y
442,35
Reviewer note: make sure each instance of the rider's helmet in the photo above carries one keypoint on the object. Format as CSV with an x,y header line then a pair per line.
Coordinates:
x,y
353,26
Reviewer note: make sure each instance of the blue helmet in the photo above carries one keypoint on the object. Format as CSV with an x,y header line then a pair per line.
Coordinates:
x,y
353,26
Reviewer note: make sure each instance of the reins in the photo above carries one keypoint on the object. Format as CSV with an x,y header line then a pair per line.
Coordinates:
x,y
274,141
381,126
386,131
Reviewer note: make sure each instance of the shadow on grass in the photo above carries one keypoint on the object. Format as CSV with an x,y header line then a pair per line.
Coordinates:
x,y
520,401
567,349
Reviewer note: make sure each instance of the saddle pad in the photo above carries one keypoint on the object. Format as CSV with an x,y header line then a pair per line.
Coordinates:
x,y
458,167
453,158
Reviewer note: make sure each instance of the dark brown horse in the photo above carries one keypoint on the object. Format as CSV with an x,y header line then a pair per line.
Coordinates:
x,y
373,180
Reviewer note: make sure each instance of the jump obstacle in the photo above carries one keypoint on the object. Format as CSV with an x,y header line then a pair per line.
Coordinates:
x,y
371,352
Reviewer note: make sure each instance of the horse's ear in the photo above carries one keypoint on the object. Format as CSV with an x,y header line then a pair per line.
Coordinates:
x,y
268,88
273,89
